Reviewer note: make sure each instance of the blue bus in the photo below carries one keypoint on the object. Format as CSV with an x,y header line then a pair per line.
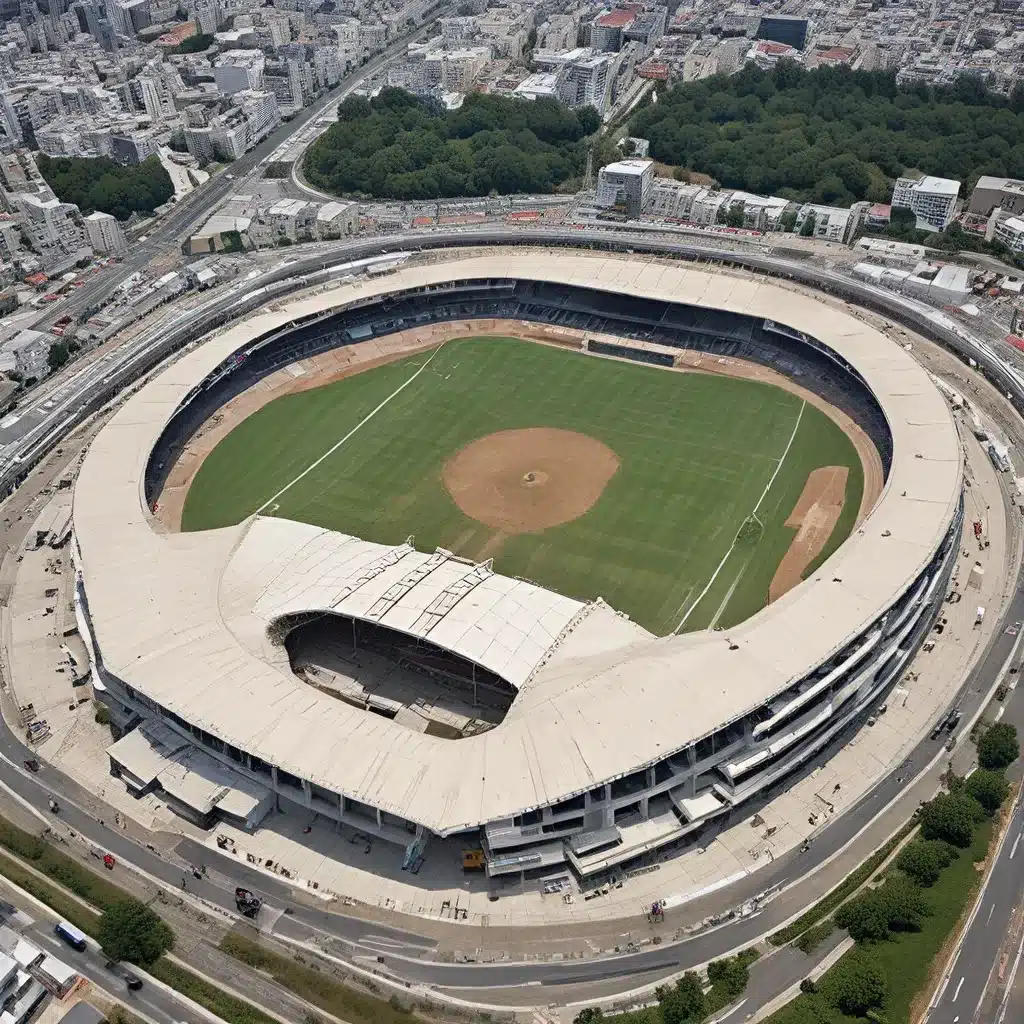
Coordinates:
x,y
71,935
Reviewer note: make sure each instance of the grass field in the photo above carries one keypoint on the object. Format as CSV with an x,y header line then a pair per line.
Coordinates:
x,y
697,453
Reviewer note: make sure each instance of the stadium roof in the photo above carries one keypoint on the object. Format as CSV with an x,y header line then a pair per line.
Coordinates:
x,y
182,617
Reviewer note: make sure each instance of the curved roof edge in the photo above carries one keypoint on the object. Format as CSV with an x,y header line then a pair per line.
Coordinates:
x,y
160,603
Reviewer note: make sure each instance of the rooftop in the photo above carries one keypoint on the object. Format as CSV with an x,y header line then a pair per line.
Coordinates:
x,y
182,617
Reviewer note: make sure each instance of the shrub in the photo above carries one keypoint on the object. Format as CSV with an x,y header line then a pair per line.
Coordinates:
x,y
923,860
952,817
998,747
989,788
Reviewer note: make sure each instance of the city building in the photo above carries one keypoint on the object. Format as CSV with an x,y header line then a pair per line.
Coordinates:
x,y
104,233
990,192
932,199
626,184
783,28
619,742
237,70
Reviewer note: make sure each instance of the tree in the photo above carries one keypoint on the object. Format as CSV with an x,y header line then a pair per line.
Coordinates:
x,y
923,860
807,228
129,930
589,1015
903,904
989,788
729,975
58,355
683,1002
787,221
855,984
864,918
998,747
952,817
589,119
734,215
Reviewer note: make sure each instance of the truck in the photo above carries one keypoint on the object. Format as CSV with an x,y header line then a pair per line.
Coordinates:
x,y
473,860
979,616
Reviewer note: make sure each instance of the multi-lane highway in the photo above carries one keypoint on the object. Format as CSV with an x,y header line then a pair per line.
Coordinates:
x,y
973,989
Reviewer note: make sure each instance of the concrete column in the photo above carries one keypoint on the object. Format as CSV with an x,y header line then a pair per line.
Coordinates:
x,y
307,793
643,806
273,782
379,822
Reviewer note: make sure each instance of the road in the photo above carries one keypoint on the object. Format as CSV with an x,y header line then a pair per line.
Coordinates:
x,y
30,921
972,991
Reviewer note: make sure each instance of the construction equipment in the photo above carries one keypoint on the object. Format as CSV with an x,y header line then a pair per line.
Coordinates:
x,y
473,860
247,904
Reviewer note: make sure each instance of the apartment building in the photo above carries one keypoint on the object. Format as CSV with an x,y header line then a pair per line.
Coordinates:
x,y
626,183
933,200
104,233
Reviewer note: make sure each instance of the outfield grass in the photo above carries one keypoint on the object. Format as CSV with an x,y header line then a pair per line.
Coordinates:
x,y
696,452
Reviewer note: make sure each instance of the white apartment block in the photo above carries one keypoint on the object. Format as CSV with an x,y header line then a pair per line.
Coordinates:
x,y
627,182
237,70
932,199
1009,231
260,111
104,234
831,223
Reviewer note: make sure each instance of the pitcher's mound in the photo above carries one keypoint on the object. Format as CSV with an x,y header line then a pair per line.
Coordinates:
x,y
524,481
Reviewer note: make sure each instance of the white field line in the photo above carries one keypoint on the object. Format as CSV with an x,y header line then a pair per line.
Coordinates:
x,y
366,419
764,494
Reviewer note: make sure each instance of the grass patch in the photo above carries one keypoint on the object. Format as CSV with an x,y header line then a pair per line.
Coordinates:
x,y
907,958
58,901
846,888
224,1005
696,452
322,990
63,869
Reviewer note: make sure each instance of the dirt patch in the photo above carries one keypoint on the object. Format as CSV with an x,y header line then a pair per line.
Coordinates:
x,y
813,517
524,481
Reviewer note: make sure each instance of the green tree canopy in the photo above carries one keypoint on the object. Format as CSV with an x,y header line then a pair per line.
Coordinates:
x,y
129,930
831,135
923,860
400,146
58,355
105,185
952,817
856,984
683,1003
989,788
998,747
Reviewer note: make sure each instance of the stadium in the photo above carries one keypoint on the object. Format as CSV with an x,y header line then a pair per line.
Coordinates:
x,y
485,675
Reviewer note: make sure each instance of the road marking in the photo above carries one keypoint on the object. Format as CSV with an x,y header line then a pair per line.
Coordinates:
x,y
764,494
959,985
1013,849
990,912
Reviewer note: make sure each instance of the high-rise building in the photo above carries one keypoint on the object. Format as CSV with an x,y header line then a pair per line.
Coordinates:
x,y
932,199
239,69
104,233
626,183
